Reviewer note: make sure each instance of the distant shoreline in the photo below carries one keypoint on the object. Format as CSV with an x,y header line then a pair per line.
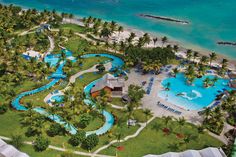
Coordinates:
x,y
163,18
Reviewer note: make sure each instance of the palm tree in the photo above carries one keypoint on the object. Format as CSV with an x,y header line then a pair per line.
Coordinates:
x,y
154,41
131,37
181,121
214,80
105,32
146,38
189,54
195,55
224,63
206,82
167,120
176,48
114,44
167,86
174,146
164,40
175,71
212,57
147,113
120,29
113,26
204,60
200,129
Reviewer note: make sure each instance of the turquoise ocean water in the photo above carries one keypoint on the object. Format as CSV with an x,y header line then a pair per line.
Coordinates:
x,y
211,20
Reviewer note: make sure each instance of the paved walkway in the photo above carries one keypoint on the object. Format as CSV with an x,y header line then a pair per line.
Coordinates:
x,y
75,76
60,149
143,125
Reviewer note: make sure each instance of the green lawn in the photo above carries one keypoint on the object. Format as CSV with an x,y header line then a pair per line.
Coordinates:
x,y
53,153
154,141
74,27
118,102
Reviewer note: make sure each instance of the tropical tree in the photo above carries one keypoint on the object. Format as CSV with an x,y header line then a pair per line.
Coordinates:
x,y
176,48
195,55
189,54
212,57
90,142
17,141
164,40
206,82
78,138
120,29
41,144
175,71
181,121
135,93
167,119
148,113
155,41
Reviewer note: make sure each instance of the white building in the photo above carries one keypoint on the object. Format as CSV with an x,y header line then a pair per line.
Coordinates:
x,y
7,150
207,152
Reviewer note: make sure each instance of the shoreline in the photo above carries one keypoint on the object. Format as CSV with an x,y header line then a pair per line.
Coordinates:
x,y
183,47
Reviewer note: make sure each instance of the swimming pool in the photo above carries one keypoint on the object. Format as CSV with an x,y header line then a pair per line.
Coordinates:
x,y
193,97
57,98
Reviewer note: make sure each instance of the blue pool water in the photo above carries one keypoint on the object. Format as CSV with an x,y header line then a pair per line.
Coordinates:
x,y
210,20
57,98
116,61
193,97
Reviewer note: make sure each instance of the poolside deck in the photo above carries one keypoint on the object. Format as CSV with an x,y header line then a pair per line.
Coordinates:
x,y
151,100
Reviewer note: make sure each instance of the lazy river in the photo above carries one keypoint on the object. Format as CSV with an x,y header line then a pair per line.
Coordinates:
x,y
53,60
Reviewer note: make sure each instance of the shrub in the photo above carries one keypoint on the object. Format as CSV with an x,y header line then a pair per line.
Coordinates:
x,y
30,132
90,142
77,139
41,144
17,141
55,129
3,109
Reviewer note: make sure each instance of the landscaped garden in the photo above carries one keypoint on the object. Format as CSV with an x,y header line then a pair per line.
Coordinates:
x,y
163,135
81,122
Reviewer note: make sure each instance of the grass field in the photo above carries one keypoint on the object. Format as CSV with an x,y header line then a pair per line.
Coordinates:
x,y
152,140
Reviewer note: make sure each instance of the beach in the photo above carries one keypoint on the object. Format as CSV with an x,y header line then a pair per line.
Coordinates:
x,y
139,33
207,25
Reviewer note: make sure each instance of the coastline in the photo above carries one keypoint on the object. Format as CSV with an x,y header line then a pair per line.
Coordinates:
x,y
183,47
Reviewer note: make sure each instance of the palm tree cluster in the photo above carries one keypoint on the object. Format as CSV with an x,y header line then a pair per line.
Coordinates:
x,y
229,105
102,28
170,126
15,70
214,119
198,69
148,59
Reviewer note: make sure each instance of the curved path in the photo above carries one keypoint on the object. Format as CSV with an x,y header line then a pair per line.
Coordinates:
x,y
109,119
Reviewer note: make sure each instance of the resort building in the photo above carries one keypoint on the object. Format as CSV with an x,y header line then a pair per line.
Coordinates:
x,y
7,150
207,152
110,84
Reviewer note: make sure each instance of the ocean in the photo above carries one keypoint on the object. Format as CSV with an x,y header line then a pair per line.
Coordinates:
x,y
210,20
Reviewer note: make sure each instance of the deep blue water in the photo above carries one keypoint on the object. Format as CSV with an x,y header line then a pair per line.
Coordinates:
x,y
211,20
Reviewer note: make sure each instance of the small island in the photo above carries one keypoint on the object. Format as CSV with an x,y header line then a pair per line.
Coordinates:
x,y
164,18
